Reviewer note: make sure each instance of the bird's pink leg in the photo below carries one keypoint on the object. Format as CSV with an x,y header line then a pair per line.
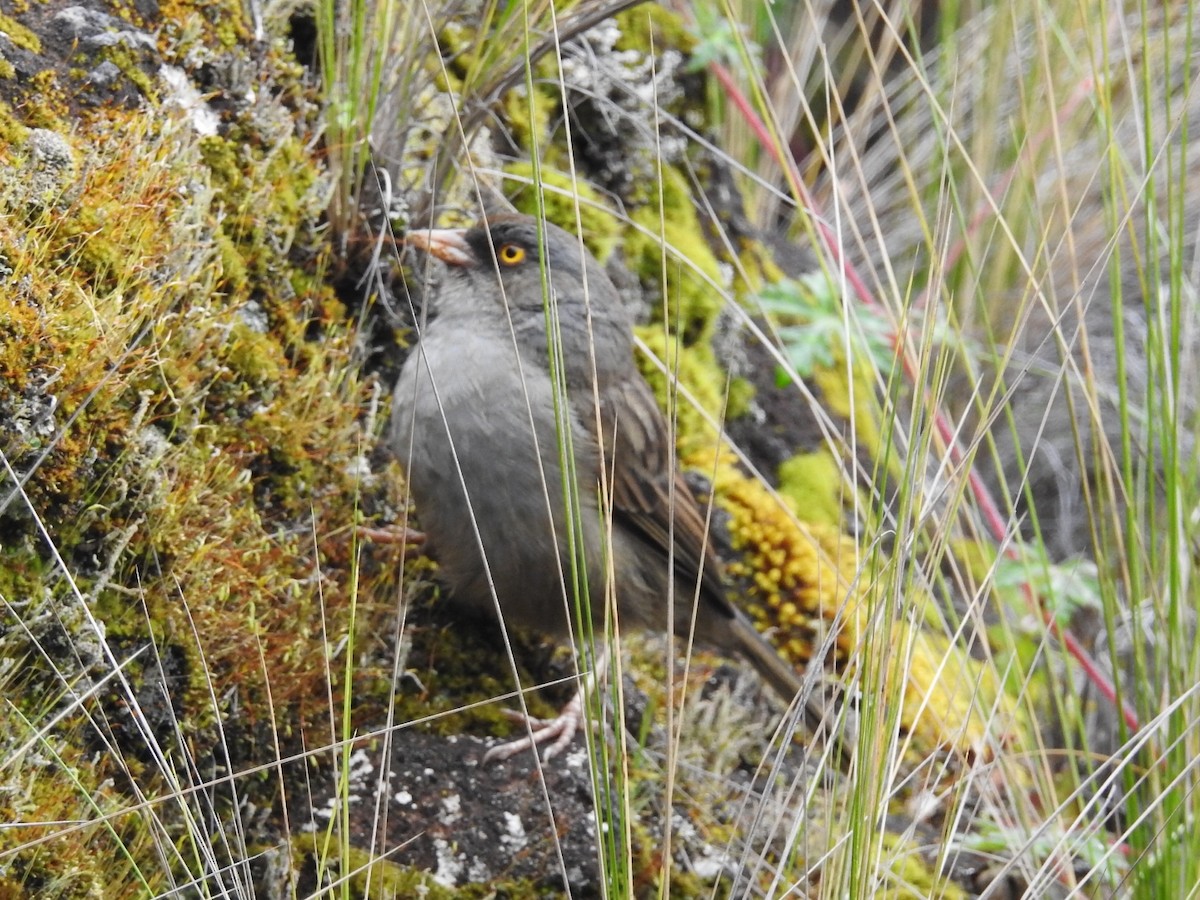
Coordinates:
x,y
557,732
391,534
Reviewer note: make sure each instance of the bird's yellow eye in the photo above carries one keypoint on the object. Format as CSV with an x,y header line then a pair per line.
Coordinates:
x,y
511,254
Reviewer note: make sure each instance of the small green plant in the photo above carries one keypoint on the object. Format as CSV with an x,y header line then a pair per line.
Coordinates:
x,y
721,41
366,64
817,330
1062,589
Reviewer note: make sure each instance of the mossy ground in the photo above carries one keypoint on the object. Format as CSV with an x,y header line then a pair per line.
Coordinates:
x,y
181,406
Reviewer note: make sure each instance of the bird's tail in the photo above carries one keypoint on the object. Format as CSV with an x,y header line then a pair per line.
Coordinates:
x,y
773,668
783,679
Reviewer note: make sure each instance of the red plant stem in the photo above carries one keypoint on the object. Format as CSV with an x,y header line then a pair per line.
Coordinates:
x,y
988,508
764,136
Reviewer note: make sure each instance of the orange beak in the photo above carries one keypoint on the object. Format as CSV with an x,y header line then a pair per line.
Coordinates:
x,y
447,244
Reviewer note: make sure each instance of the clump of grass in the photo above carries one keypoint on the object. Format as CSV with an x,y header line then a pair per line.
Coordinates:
x,y
1055,254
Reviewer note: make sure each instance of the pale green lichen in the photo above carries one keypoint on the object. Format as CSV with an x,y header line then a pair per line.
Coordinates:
x,y
50,168
814,484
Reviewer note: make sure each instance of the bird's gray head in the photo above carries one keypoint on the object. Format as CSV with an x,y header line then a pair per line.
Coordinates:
x,y
497,269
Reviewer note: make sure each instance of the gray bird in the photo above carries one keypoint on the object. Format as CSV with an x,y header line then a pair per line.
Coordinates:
x,y
485,437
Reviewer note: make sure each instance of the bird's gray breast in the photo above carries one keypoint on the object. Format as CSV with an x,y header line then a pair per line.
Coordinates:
x,y
477,434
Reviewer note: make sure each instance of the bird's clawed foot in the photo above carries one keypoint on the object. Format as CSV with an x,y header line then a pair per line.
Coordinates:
x,y
557,732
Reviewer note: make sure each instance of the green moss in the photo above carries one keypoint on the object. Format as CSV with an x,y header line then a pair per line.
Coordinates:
x,y
129,62
689,276
12,132
46,104
977,558
800,578
853,400
469,659
650,25
292,174
699,374
255,357
23,576
102,285
600,227
814,484
221,158
268,192
214,22
20,35
227,450
371,877
233,266
910,876
99,257
528,115
84,861
741,398
793,576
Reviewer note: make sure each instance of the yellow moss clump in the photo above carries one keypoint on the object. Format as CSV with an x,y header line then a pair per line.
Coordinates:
x,y
800,577
528,114
909,874
20,35
47,105
815,482
12,132
215,23
853,399
650,25
806,580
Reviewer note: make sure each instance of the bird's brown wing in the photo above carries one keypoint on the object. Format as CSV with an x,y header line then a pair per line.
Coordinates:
x,y
649,498
648,493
